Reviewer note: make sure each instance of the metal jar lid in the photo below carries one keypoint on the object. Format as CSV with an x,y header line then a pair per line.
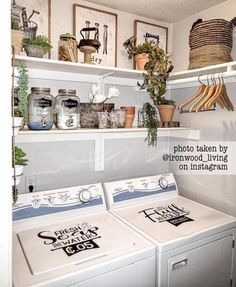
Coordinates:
x,y
67,36
67,91
42,90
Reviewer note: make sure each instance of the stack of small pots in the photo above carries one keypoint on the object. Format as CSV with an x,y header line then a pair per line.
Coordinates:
x,y
129,118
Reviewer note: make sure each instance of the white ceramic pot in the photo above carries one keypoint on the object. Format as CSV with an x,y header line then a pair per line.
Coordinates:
x,y
17,124
18,174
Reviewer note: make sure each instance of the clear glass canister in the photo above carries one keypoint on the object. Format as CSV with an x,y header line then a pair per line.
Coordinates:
x,y
40,109
67,109
67,48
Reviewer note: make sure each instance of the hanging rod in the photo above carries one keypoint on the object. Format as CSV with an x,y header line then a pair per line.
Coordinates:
x,y
192,81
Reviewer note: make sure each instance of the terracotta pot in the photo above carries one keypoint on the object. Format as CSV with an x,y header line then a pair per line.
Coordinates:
x,y
141,60
130,115
166,112
16,40
129,119
129,110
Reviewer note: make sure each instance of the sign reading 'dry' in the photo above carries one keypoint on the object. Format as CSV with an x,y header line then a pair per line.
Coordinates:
x,y
71,240
171,213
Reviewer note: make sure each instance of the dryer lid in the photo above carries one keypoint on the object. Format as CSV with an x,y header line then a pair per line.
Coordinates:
x,y
171,221
50,247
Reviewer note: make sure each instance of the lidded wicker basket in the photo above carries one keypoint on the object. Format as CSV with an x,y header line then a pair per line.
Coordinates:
x,y
210,42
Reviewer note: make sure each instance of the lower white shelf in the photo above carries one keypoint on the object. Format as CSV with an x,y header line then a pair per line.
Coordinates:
x,y
100,135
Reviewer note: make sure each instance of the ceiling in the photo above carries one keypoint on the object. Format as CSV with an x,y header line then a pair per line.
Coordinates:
x,y
169,11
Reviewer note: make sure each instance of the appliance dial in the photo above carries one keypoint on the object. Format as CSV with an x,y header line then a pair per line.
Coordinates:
x,y
84,196
36,203
163,183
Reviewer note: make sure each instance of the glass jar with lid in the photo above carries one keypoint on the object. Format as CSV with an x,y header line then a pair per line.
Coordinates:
x,y
40,109
67,109
67,48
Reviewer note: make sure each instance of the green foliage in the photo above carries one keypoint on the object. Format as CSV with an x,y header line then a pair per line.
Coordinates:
x,y
133,49
22,83
156,73
20,157
15,25
151,123
40,41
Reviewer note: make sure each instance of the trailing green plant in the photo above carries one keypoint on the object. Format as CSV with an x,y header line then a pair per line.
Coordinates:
x,y
19,157
15,25
40,41
150,119
133,49
156,73
22,83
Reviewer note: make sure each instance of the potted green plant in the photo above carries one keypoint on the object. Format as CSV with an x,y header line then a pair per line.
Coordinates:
x,y
17,36
19,160
156,73
139,52
37,47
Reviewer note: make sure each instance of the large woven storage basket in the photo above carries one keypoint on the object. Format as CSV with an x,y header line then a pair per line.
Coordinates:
x,y
210,42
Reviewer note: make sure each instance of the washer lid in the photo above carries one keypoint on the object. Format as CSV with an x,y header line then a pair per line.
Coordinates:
x,y
170,221
54,246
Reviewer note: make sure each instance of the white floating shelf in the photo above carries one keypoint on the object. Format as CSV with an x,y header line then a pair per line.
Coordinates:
x,y
41,68
99,136
26,135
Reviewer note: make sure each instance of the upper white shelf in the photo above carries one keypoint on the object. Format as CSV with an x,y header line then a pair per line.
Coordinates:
x,y
67,71
221,68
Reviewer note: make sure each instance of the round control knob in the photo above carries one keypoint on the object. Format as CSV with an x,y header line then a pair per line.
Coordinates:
x,y
163,183
85,196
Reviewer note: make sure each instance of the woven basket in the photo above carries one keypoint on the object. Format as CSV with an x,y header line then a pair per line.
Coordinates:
x,y
210,42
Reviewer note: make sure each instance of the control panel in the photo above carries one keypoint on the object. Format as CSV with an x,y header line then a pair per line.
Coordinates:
x,y
136,188
52,201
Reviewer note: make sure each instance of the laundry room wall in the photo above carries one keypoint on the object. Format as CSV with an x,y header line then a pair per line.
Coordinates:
x,y
61,164
180,33
125,26
216,127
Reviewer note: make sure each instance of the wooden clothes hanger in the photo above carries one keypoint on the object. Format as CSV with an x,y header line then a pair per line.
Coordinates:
x,y
193,98
220,97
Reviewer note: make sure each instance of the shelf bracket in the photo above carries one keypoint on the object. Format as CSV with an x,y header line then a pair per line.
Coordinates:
x,y
101,82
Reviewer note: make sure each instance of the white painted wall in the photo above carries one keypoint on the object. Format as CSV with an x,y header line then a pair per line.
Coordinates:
x,y
62,22
180,48
219,126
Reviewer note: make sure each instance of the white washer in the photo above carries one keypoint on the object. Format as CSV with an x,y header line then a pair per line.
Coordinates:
x,y
195,243
65,237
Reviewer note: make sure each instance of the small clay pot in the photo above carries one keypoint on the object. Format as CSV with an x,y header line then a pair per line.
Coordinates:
x,y
130,115
141,60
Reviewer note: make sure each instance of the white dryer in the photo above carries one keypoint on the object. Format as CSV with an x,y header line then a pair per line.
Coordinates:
x,y
195,243
65,237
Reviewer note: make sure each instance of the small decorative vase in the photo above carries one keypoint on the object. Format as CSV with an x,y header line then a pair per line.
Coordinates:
x,y
34,51
17,124
89,113
166,112
18,174
141,60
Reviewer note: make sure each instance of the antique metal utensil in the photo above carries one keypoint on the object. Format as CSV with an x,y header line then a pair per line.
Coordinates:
x,y
88,46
